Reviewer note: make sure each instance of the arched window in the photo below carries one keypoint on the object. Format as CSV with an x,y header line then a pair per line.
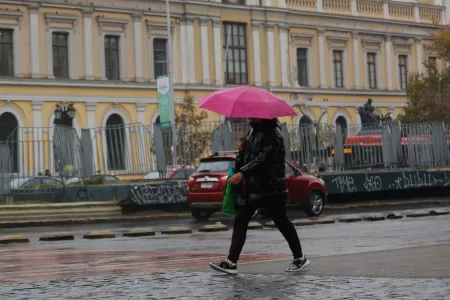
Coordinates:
x,y
305,120
115,142
9,136
342,121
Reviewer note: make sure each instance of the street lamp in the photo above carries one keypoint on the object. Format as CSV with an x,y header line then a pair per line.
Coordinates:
x,y
63,113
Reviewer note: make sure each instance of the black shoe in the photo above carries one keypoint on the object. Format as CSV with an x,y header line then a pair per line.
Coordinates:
x,y
226,266
298,264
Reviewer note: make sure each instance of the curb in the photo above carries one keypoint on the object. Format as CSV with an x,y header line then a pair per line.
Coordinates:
x,y
376,217
394,216
60,236
349,218
439,212
139,232
14,239
177,230
325,220
213,228
255,225
418,214
95,235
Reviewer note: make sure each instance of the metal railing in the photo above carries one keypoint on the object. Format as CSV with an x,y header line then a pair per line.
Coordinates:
x,y
135,149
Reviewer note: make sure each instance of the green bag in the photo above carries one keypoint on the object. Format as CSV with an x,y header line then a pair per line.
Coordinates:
x,y
229,197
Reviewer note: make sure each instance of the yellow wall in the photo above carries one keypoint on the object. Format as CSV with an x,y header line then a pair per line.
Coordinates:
x,y
34,100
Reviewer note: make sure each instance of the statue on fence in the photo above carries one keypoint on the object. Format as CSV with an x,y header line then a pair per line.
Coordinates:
x,y
367,114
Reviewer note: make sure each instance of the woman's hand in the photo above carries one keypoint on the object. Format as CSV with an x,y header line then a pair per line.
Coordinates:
x,y
236,178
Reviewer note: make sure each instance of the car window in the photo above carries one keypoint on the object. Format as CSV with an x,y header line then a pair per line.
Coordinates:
x,y
189,173
110,178
51,181
35,182
289,170
215,166
179,175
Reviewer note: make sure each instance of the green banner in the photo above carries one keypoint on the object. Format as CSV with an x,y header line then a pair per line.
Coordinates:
x,y
162,85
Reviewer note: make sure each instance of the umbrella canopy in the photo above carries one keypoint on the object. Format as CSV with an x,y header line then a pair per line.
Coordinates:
x,y
246,102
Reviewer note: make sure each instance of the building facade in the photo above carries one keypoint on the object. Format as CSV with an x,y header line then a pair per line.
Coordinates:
x,y
325,57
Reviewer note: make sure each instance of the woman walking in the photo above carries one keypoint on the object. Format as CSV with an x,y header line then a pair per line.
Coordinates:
x,y
260,168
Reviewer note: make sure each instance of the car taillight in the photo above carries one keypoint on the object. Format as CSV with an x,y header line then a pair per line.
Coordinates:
x,y
224,178
190,180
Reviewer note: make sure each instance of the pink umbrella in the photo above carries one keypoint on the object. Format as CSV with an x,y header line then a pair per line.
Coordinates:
x,y
246,102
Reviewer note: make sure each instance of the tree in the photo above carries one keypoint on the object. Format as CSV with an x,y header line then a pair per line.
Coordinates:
x,y
429,93
193,133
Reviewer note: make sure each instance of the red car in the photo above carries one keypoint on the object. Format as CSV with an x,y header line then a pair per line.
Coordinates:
x,y
181,173
206,187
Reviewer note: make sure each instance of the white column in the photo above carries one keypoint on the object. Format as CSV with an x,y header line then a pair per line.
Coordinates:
x,y
356,65
284,46
190,50
33,10
271,55
18,52
256,53
184,53
88,61
267,3
137,24
388,50
38,155
141,136
354,7
386,9
416,14
90,115
319,5
205,51
419,55
218,52
323,81
101,49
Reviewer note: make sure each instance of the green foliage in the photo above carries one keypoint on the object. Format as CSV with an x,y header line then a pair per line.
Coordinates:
x,y
429,93
193,133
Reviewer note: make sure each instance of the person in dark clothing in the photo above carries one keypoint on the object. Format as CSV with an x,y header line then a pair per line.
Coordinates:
x,y
260,167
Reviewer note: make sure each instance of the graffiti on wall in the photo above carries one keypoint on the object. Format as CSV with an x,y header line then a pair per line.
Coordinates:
x,y
384,181
168,192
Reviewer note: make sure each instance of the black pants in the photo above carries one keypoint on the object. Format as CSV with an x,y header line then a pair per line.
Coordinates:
x,y
277,212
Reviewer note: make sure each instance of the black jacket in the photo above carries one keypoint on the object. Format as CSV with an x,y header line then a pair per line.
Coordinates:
x,y
263,162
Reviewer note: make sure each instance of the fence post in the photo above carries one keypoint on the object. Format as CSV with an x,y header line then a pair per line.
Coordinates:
x,y
161,163
339,159
88,152
440,147
287,140
396,142
386,147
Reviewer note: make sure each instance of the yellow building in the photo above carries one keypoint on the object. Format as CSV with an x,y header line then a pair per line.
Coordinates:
x,y
327,56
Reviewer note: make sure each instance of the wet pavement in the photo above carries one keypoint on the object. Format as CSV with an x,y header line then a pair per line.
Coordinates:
x,y
392,259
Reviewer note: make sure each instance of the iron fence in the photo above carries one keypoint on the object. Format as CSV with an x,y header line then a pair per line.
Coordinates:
x,y
51,155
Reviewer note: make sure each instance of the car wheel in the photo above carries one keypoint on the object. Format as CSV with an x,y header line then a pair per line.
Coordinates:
x,y
201,215
315,204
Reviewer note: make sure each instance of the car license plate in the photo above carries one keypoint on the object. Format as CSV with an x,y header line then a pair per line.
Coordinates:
x,y
206,185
